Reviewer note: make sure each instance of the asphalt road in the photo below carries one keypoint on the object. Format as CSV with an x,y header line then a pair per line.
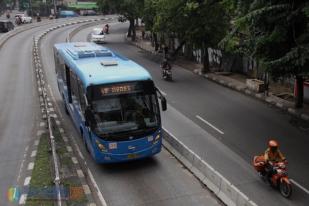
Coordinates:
x,y
19,108
160,180
224,127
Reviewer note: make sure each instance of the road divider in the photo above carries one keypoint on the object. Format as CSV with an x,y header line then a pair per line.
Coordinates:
x,y
221,187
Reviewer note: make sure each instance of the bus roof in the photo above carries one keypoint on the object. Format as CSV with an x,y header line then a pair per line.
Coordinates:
x,y
95,64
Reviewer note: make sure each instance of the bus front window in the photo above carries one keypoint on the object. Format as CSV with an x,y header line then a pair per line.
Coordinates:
x,y
130,114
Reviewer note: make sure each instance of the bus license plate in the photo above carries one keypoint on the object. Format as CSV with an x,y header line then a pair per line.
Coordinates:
x,y
132,156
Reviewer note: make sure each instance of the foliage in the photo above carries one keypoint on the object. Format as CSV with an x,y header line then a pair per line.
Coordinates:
x,y
274,32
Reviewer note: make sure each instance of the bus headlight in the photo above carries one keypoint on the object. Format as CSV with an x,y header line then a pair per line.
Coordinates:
x,y
156,139
101,147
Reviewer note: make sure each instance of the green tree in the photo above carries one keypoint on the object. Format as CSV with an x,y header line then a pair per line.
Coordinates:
x,y
197,23
276,33
130,9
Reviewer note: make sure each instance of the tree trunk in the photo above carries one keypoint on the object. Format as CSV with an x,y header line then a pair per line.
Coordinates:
x,y
299,99
156,43
129,31
132,29
205,60
136,22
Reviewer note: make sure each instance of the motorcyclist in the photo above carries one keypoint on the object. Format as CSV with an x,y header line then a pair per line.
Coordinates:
x,y
272,155
106,29
165,65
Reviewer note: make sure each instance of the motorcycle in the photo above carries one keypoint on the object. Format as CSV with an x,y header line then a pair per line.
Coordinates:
x,y
167,74
106,29
279,178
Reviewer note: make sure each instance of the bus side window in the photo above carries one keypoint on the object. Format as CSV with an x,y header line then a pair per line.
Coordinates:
x,y
67,75
57,64
62,72
74,86
81,95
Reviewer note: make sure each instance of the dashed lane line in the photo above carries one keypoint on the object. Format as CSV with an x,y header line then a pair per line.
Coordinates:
x,y
209,124
300,186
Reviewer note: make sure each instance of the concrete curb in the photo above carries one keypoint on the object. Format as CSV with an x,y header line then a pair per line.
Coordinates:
x,y
220,186
263,98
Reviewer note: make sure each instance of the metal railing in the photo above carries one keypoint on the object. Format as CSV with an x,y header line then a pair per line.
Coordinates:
x,y
46,114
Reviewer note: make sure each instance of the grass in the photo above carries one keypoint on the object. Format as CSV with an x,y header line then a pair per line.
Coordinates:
x,y
43,173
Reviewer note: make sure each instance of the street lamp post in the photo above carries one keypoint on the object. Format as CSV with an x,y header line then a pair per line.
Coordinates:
x,y
55,7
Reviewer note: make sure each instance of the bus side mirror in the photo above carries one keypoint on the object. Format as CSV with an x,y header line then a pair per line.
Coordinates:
x,y
163,103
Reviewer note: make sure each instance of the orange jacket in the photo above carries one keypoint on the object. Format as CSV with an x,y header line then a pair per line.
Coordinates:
x,y
273,156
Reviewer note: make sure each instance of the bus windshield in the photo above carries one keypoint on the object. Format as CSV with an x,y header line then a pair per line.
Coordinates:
x,y
131,114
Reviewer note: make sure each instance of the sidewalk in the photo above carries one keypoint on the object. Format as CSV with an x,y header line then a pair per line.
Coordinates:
x,y
233,81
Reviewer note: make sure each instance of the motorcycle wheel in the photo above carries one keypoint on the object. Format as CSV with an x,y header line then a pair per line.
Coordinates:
x,y
285,189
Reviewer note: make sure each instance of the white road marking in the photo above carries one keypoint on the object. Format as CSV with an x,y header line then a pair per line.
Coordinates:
x,y
27,181
80,173
20,168
86,189
65,139
54,100
74,160
61,130
39,132
30,166
209,124
22,199
102,200
300,186
36,142
69,149
33,153
42,124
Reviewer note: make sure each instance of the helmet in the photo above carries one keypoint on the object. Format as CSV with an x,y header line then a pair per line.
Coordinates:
x,y
273,145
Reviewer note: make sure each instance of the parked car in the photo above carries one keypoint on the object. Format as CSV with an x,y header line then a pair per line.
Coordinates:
x,y
24,18
6,26
97,36
67,14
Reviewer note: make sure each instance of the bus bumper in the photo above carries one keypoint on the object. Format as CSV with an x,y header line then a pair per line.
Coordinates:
x,y
101,157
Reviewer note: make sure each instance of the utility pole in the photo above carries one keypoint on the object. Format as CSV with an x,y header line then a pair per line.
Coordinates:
x,y
30,5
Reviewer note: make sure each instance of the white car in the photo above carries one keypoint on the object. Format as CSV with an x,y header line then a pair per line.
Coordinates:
x,y
97,36
24,18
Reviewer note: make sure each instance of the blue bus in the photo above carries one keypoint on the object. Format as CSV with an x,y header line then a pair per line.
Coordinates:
x,y
112,101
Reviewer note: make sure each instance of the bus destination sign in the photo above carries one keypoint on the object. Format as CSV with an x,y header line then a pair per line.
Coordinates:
x,y
117,89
